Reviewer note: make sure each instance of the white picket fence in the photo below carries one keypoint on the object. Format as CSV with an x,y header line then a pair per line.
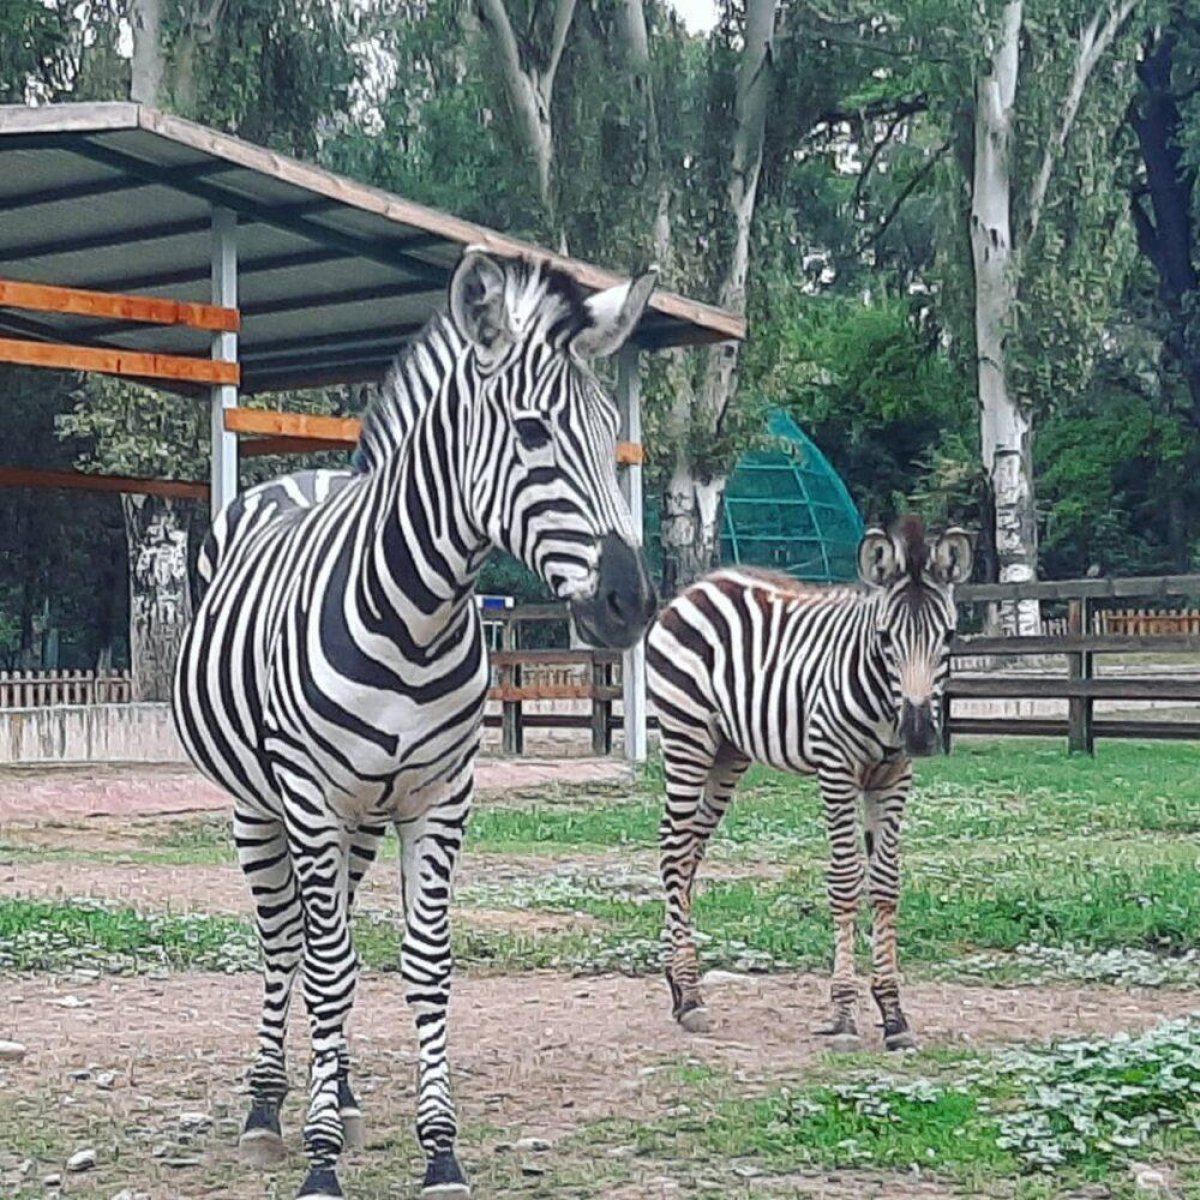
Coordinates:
x,y
50,689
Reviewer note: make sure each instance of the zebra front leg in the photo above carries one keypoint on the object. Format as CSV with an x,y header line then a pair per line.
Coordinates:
x,y
692,815
320,854
840,792
279,918
364,846
429,847
883,805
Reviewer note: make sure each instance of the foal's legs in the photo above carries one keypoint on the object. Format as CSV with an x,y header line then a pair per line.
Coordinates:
x,y
883,810
701,778
840,791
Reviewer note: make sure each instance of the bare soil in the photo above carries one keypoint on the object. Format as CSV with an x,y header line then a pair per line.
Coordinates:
x,y
533,1055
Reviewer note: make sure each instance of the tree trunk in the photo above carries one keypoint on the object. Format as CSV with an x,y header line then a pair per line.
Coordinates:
x,y
148,64
693,501
160,604
1005,429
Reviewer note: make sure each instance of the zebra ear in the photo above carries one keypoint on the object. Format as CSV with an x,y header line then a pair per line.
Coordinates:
x,y
477,303
614,315
952,557
878,559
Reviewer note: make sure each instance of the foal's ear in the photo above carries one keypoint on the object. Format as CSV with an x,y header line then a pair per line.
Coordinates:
x,y
879,561
478,304
952,557
614,316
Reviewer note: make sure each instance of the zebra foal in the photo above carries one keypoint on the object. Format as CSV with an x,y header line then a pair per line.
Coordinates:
x,y
334,676
746,666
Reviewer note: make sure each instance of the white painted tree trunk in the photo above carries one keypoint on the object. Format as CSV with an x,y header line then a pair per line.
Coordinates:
x,y
148,65
160,600
1004,426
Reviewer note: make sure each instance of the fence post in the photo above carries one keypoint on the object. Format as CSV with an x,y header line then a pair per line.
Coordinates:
x,y
1080,738
511,729
601,708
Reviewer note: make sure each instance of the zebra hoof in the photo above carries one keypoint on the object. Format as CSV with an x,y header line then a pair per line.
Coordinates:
x,y
444,1179
696,1019
261,1144
321,1184
902,1039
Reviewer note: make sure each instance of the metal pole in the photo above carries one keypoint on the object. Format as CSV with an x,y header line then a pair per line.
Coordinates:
x,y
224,349
633,671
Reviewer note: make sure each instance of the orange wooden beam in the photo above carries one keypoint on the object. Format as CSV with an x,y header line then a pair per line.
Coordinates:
x,y
630,454
78,481
307,426
151,310
129,363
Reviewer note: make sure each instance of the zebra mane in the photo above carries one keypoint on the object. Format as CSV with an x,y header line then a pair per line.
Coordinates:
x,y
909,534
419,369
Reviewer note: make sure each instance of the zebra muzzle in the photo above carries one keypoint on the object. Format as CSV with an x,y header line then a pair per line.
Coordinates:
x,y
624,602
918,729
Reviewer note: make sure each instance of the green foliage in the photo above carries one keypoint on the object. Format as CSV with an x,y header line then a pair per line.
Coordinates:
x,y
868,385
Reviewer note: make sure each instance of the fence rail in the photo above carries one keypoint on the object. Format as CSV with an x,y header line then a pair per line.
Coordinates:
x,y
44,689
1088,630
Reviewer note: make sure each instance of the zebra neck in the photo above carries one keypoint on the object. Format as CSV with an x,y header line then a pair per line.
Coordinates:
x,y
426,552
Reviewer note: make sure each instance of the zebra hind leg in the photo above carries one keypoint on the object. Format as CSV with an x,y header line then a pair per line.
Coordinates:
x,y
263,855
840,792
883,810
699,788
364,845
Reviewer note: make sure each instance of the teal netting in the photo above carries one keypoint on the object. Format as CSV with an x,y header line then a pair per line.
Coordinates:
x,y
788,509
785,508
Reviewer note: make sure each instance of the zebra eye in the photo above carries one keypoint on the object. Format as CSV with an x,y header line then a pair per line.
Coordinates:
x,y
533,433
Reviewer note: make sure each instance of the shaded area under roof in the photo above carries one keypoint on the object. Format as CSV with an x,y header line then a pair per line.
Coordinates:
x,y
333,275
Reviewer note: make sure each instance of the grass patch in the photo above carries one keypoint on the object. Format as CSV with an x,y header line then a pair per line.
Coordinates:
x,y
1079,1112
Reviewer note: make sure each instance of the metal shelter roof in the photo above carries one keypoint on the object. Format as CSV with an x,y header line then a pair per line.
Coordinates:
x,y
333,275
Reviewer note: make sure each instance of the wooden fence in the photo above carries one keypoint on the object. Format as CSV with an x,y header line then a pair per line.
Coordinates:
x,y
43,689
1092,628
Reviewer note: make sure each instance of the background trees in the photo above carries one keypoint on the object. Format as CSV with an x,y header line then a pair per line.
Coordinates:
x,y
971,276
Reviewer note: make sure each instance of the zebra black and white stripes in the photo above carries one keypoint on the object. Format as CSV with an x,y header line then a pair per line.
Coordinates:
x,y
334,675
746,666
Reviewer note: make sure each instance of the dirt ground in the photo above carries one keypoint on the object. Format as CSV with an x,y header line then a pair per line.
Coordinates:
x,y
535,1055
148,1071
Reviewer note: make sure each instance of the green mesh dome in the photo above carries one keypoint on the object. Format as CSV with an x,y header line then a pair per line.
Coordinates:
x,y
788,509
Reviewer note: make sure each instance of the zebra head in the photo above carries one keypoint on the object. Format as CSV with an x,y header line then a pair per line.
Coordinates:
x,y
914,620
543,435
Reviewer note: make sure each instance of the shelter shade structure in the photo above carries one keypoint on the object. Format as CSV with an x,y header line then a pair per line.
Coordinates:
x,y
139,244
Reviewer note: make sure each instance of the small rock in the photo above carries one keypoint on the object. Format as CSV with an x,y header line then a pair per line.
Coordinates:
x,y
12,1051
52,1181
537,1145
81,1160
717,978
532,1170
180,1162
195,1120
160,1151
80,1076
105,1081
25,1167
1150,1179
71,1002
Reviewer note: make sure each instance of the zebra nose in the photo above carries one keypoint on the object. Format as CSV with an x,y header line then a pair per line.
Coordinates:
x,y
918,731
625,599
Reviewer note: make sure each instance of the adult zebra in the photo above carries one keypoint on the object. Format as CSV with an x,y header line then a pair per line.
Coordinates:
x,y
746,666
335,673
